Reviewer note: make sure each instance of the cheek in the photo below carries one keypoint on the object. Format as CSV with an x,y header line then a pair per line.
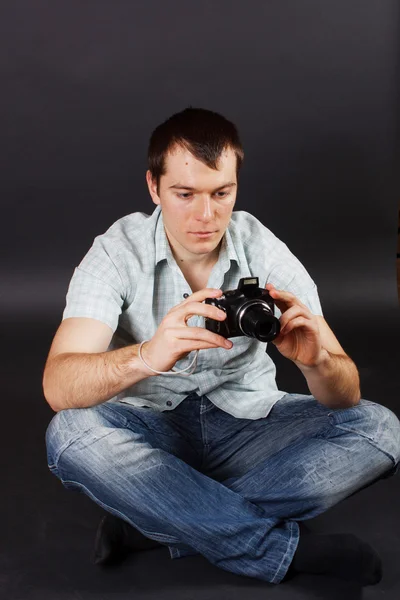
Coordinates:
x,y
176,216
179,222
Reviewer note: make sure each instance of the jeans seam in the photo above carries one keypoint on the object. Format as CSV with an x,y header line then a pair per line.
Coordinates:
x,y
279,569
370,440
69,443
61,449
160,536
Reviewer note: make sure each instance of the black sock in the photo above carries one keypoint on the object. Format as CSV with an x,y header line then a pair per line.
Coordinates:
x,y
116,538
136,540
341,555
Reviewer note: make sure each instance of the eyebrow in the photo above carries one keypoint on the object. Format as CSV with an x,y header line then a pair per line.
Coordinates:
x,y
179,186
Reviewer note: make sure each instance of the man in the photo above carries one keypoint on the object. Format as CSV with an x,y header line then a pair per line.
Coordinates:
x,y
215,460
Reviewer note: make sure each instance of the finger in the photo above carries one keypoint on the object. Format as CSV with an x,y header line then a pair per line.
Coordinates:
x,y
284,297
204,344
200,296
204,310
298,322
203,294
291,313
200,335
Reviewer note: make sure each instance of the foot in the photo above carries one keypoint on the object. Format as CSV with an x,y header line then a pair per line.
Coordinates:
x,y
338,555
115,539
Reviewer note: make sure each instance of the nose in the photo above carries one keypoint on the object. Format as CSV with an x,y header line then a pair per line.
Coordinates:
x,y
204,210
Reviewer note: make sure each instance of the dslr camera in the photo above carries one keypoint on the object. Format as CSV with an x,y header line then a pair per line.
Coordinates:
x,y
249,311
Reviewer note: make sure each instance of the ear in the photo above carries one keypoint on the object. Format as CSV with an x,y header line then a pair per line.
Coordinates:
x,y
328,338
152,185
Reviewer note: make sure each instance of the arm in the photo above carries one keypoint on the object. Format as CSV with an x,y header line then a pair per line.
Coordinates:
x,y
309,342
334,382
79,373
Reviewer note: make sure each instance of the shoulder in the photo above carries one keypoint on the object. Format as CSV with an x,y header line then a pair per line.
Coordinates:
x,y
127,243
121,250
257,238
269,254
250,230
127,233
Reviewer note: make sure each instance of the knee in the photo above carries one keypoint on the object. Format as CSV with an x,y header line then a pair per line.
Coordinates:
x,y
76,438
388,431
380,425
66,427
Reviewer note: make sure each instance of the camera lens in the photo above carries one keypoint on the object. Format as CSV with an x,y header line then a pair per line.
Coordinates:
x,y
258,321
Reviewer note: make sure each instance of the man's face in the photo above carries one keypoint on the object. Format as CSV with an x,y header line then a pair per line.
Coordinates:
x,y
206,207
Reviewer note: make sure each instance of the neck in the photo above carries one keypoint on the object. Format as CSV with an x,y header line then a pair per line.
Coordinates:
x,y
202,262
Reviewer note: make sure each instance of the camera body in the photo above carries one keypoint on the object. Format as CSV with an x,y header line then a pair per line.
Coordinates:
x,y
249,311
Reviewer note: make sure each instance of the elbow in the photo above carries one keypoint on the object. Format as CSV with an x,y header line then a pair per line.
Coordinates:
x,y
357,399
50,400
352,401
47,393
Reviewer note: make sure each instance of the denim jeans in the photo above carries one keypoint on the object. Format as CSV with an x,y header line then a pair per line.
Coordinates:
x,y
204,482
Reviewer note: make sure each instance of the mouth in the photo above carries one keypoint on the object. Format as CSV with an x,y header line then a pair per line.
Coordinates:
x,y
202,234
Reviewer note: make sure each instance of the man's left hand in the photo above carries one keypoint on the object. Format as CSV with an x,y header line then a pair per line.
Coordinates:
x,y
299,338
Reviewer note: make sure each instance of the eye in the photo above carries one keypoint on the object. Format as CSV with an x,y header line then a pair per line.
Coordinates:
x,y
187,194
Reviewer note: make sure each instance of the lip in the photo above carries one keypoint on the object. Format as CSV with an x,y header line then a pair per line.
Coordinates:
x,y
203,235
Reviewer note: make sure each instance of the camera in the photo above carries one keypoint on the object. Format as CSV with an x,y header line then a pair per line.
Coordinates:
x,y
249,311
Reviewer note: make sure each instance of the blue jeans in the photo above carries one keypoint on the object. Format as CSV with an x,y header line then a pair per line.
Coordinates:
x,y
202,481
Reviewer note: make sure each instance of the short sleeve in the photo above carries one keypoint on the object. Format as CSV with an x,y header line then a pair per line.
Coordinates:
x,y
309,297
290,274
96,289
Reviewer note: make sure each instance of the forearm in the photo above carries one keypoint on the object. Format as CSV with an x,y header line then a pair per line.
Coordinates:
x,y
334,382
80,380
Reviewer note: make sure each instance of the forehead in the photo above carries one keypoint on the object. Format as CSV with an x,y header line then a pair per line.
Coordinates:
x,y
180,162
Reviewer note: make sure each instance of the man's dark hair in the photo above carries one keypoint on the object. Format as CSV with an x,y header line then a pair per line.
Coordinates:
x,y
203,132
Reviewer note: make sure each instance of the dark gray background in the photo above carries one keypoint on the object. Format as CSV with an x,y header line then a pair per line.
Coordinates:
x,y
313,87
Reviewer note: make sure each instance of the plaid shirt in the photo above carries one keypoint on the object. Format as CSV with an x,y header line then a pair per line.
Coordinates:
x,y
129,280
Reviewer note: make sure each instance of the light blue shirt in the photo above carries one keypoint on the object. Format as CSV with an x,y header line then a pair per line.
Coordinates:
x,y
129,280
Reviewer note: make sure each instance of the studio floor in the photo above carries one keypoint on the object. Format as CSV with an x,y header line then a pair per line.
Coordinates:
x,y
49,531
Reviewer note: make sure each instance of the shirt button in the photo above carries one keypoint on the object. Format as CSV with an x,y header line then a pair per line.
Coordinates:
x,y
169,403
186,295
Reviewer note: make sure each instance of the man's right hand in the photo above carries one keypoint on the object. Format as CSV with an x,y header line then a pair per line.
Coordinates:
x,y
174,339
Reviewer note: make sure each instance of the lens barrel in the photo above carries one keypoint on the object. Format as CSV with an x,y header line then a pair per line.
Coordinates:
x,y
257,321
